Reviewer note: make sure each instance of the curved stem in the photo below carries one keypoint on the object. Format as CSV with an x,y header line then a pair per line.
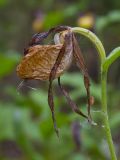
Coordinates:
x,y
101,51
94,39
105,113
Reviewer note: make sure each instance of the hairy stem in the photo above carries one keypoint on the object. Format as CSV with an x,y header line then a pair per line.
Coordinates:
x,y
101,51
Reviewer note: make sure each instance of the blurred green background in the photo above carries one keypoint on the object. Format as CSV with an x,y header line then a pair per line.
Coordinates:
x,y
26,129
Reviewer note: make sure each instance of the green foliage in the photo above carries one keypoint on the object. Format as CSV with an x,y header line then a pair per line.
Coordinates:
x,y
104,21
8,62
53,20
25,117
3,3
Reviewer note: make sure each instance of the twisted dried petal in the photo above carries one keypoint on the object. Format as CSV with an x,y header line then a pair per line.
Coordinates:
x,y
66,49
70,101
81,64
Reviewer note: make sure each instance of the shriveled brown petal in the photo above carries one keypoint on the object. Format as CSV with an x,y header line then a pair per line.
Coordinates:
x,y
67,46
81,64
51,105
51,78
37,38
70,101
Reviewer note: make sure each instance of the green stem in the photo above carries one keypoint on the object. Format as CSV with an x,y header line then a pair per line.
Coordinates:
x,y
94,39
111,58
105,114
101,51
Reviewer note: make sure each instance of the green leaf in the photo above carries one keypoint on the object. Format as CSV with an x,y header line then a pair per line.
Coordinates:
x,y
104,21
53,18
8,63
3,3
6,124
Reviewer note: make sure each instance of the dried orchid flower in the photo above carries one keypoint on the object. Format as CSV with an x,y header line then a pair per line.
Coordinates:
x,y
47,62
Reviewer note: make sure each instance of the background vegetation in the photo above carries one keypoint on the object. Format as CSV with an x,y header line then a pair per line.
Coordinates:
x,y
26,129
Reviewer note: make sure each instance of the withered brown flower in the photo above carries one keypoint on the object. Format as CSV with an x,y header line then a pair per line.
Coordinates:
x,y
47,62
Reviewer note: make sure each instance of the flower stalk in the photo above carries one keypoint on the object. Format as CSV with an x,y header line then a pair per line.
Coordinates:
x,y
105,63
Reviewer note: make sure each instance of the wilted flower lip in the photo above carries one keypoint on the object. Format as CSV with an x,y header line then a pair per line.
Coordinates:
x,y
37,64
